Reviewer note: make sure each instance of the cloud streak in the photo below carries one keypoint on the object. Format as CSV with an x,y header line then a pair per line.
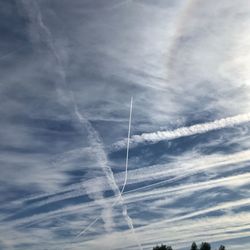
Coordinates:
x,y
45,34
94,138
64,185
185,131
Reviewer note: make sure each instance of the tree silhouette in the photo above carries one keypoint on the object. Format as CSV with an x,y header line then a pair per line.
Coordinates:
x,y
222,247
205,246
163,247
194,246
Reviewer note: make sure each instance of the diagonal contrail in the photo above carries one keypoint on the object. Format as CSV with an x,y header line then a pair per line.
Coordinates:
x,y
184,131
93,136
37,21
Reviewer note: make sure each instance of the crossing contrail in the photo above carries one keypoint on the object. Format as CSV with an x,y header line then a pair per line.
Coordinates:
x,y
184,131
94,138
45,35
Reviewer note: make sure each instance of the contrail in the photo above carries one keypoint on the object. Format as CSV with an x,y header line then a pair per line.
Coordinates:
x,y
87,228
184,131
124,213
223,205
129,130
115,187
36,19
94,138
191,168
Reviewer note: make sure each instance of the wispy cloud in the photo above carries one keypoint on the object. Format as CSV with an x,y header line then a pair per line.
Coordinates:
x,y
65,90
45,36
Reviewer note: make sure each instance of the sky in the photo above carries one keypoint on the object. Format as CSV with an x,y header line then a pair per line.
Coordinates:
x,y
69,71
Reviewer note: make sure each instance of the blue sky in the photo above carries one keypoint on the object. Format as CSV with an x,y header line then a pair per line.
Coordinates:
x,y
68,72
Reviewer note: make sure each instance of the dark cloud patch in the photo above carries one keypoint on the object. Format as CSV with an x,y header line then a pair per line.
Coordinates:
x,y
12,28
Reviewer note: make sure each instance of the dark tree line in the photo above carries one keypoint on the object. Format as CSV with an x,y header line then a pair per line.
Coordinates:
x,y
203,246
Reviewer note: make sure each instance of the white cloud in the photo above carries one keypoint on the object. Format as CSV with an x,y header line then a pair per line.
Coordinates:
x,y
184,62
185,131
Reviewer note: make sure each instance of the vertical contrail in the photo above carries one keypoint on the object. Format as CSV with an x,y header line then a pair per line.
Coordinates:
x,y
36,18
45,35
127,153
94,138
124,209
